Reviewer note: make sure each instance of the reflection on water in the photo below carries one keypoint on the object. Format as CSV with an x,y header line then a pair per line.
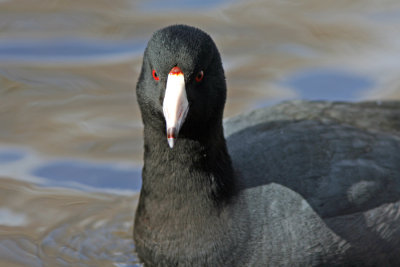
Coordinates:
x,y
94,176
324,84
65,51
70,128
7,156
60,227
11,218
173,5
75,173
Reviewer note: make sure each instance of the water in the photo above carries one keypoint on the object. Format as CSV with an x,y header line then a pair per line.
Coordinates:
x,y
64,51
70,128
322,84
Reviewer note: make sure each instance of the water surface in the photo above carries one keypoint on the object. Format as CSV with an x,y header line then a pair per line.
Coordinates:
x,y
70,128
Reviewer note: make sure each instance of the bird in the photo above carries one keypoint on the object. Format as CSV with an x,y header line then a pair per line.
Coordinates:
x,y
302,183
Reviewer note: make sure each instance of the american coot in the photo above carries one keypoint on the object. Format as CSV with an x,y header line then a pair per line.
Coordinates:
x,y
303,184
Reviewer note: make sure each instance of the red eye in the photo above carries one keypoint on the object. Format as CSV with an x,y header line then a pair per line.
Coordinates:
x,y
155,76
199,76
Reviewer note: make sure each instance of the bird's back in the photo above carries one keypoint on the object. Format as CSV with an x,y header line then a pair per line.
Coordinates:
x,y
337,169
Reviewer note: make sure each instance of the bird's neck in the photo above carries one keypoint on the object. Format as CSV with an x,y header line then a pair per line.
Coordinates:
x,y
198,171
184,200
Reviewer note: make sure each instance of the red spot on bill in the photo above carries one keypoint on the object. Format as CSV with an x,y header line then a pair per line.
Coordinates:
x,y
176,71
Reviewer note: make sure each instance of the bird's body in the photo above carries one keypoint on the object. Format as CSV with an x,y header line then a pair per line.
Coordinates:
x,y
300,184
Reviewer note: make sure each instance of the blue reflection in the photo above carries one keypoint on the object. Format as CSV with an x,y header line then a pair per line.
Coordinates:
x,y
159,5
8,156
66,48
101,176
328,84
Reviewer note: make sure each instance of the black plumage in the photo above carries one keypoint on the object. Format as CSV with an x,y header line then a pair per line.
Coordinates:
x,y
303,184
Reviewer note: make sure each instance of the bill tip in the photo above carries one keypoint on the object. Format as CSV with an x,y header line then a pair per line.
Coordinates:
x,y
171,136
171,142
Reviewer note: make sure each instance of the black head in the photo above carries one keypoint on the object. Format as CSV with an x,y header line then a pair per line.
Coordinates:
x,y
191,54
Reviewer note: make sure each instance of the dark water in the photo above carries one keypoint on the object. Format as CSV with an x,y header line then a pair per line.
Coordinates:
x,y
70,128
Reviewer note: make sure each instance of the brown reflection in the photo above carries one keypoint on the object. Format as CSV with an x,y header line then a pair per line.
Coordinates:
x,y
85,111
64,226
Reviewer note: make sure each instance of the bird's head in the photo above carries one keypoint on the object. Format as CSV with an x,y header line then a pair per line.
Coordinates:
x,y
182,84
